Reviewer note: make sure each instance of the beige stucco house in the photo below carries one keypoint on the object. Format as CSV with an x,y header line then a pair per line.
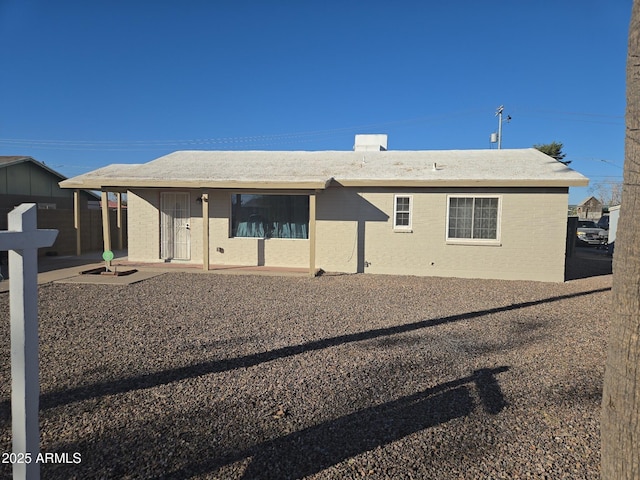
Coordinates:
x,y
459,213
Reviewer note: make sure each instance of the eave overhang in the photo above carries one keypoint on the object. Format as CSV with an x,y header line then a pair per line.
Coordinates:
x,y
129,184
465,183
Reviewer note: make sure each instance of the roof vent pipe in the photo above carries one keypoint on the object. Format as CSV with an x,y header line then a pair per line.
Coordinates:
x,y
435,167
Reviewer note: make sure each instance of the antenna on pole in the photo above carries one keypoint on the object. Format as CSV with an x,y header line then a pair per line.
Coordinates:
x,y
497,137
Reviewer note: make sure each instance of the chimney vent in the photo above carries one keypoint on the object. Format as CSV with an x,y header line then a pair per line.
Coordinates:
x,y
371,143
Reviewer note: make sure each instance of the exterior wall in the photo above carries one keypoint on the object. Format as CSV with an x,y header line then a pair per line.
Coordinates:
x,y
143,218
275,252
355,234
143,209
28,183
28,179
350,245
340,240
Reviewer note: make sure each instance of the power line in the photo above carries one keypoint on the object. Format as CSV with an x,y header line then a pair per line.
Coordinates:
x,y
602,160
564,112
277,139
611,163
292,137
587,117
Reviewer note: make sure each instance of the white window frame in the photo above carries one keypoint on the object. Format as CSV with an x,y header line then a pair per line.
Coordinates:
x,y
475,241
402,228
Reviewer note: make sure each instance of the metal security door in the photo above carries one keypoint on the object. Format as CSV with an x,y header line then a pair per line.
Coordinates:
x,y
174,226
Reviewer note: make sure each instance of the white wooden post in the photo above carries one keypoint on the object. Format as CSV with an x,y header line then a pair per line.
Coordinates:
x,y
106,225
22,240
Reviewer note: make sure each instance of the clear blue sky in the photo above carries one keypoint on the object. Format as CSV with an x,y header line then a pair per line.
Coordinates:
x,y
89,83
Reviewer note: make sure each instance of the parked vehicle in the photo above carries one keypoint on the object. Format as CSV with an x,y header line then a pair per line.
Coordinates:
x,y
604,222
590,234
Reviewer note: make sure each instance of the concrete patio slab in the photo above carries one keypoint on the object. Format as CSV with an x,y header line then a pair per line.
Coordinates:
x,y
68,269
135,277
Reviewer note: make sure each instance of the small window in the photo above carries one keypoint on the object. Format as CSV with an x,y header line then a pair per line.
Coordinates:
x,y
473,218
402,212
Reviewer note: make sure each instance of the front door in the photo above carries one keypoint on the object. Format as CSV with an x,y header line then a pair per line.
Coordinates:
x,y
174,226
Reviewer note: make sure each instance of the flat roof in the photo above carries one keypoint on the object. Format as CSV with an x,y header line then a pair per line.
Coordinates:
x,y
318,169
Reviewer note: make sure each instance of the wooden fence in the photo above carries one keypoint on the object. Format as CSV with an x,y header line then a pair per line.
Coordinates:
x,y
90,228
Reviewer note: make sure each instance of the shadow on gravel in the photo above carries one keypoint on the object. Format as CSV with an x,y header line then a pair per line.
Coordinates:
x,y
314,449
307,451
112,387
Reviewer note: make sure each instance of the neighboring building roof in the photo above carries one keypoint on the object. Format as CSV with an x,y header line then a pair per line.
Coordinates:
x,y
6,161
587,200
316,170
9,160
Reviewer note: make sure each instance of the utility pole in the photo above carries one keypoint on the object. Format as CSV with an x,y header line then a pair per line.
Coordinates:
x,y
497,137
499,115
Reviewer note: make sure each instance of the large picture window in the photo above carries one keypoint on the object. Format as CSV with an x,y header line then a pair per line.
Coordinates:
x,y
269,216
473,218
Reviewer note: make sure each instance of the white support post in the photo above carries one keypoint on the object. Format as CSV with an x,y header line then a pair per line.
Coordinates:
x,y
76,221
312,235
22,240
106,224
119,220
205,231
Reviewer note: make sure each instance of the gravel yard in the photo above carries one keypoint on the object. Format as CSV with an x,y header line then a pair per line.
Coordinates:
x,y
189,375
